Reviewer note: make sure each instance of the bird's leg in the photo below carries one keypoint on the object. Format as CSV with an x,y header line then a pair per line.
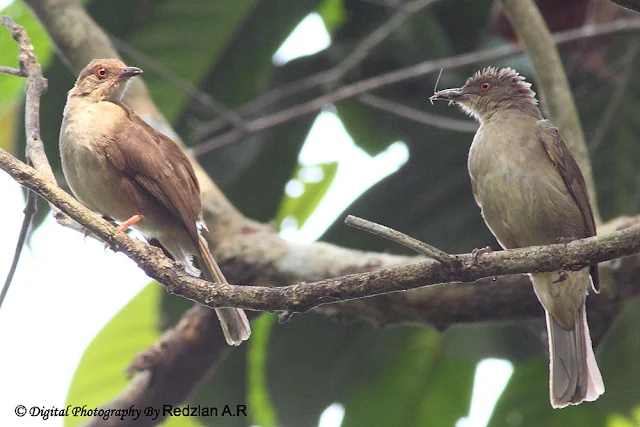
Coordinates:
x,y
566,239
128,223
480,251
125,225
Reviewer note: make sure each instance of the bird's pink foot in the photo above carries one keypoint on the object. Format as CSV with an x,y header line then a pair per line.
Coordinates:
x,y
125,225
480,251
565,240
129,223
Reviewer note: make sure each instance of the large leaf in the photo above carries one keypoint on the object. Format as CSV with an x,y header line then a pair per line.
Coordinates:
x,y
398,376
420,386
100,375
11,87
187,37
256,168
262,411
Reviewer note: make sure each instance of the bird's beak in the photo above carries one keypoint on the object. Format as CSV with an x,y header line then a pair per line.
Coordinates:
x,y
450,95
129,72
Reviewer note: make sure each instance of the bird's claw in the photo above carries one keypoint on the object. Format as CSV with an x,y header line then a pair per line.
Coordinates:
x,y
562,276
566,239
480,251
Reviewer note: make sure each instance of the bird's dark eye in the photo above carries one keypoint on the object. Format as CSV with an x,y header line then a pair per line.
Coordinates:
x,y
101,73
485,86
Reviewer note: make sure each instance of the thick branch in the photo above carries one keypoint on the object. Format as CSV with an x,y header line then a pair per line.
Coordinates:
x,y
253,253
543,54
303,297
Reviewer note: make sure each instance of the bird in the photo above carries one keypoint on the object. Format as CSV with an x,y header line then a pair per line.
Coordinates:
x,y
531,192
120,167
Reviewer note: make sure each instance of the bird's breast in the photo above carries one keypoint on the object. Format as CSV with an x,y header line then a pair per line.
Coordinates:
x,y
523,198
92,179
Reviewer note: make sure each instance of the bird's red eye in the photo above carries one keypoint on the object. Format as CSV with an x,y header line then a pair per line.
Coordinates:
x,y
485,86
101,72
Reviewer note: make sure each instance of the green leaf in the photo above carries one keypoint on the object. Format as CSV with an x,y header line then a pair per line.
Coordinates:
x,y
100,375
169,37
369,128
332,13
617,420
383,377
255,168
420,386
525,401
301,207
8,124
262,411
526,397
11,87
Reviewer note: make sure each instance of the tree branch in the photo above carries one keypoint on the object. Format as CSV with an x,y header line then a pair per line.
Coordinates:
x,y
619,92
538,42
36,85
12,71
250,252
30,210
419,116
302,297
400,238
424,68
330,77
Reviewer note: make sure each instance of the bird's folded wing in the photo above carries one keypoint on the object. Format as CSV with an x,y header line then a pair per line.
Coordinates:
x,y
566,165
157,166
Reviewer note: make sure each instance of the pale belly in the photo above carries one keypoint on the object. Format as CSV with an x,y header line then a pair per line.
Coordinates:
x,y
524,209
86,177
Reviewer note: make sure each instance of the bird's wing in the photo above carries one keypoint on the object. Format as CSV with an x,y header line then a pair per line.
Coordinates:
x,y
568,168
150,160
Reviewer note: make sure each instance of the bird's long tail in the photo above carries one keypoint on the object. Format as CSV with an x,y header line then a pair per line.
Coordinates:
x,y
574,372
234,322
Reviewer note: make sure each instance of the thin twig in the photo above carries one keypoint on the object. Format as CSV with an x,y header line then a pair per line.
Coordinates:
x,y
330,77
616,98
555,92
30,210
419,116
424,68
400,238
12,71
36,84
229,116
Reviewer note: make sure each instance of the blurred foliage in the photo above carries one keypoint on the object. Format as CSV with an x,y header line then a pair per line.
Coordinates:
x,y
290,373
312,188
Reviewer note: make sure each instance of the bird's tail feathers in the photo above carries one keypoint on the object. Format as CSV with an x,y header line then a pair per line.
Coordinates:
x,y
574,373
234,321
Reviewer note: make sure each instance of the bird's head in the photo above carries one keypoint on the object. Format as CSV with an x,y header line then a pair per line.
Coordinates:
x,y
490,90
104,80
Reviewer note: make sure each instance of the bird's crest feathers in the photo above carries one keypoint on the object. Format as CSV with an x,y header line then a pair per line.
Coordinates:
x,y
504,75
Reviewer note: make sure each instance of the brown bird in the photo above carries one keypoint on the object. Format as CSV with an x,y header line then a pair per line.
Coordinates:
x,y
531,192
119,166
